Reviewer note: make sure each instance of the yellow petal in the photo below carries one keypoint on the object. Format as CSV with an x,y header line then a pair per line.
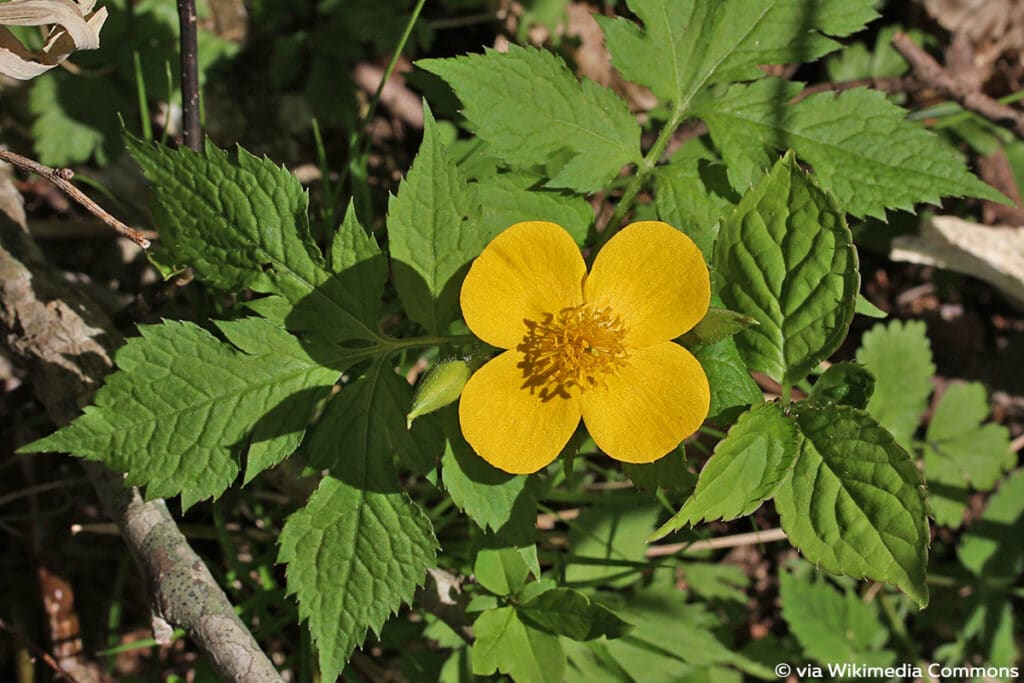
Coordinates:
x,y
657,399
510,427
528,270
654,278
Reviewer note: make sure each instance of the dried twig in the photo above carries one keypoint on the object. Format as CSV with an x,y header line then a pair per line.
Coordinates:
x,y
966,94
61,177
766,536
190,75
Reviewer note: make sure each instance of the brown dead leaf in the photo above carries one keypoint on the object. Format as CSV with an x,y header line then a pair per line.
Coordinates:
x,y
71,26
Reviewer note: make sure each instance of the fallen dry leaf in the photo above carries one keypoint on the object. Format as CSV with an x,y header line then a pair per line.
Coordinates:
x,y
73,26
995,255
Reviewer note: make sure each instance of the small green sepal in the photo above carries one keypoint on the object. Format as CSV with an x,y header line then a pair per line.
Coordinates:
x,y
718,324
442,385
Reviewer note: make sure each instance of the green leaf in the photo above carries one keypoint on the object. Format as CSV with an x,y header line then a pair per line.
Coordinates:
x,y
176,415
353,555
694,195
493,499
786,257
360,268
502,571
696,44
848,383
991,548
833,627
862,148
506,644
746,469
900,358
553,114
360,547
960,451
731,384
854,503
866,308
610,533
69,127
509,198
716,581
434,230
570,613
242,223
667,625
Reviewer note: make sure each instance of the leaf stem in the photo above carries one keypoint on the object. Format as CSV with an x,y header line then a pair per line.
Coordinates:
x,y
391,344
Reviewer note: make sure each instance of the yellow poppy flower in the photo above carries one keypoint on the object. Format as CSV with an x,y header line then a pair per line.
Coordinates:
x,y
594,346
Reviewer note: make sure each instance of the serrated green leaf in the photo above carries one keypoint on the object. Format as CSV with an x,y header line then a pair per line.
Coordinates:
x,y
509,198
552,114
862,148
833,627
731,384
590,663
360,268
669,472
175,416
694,195
493,499
360,547
242,223
502,571
667,625
504,643
854,503
696,44
354,555
785,257
900,358
608,533
434,230
745,470
849,383
570,613
991,548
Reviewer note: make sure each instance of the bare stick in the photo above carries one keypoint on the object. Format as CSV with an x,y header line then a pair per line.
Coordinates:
x,y
766,536
37,651
931,72
61,177
190,75
64,340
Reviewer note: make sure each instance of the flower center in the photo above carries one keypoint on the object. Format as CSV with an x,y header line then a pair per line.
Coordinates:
x,y
574,348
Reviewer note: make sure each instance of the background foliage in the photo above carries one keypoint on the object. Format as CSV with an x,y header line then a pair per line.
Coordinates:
x,y
270,395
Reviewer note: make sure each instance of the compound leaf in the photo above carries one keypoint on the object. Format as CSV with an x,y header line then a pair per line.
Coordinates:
x,y
504,643
553,114
568,612
176,415
696,44
360,547
242,223
434,230
862,147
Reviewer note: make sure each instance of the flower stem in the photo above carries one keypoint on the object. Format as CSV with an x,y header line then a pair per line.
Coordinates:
x,y
643,169
392,344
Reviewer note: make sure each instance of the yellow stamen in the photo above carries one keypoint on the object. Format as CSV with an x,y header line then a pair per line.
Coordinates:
x,y
574,348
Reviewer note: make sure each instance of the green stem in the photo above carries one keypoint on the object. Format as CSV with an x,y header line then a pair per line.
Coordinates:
x,y
643,169
359,144
392,344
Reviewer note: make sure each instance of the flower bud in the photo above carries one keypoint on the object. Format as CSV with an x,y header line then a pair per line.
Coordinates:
x,y
718,324
441,386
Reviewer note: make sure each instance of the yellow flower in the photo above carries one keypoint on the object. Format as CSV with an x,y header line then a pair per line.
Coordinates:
x,y
594,346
